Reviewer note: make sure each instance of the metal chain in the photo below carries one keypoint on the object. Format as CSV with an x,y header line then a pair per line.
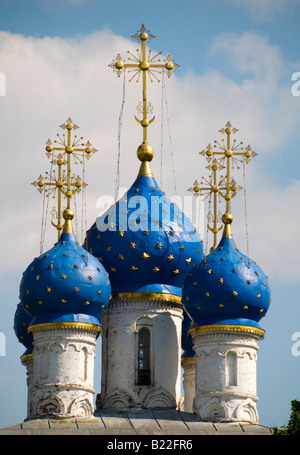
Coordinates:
x,y
245,206
119,139
169,131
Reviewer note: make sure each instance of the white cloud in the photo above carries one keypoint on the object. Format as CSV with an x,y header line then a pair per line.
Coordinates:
x,y
50,79
267,9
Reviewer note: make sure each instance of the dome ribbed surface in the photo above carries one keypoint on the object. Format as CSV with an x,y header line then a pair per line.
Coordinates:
x,y
145,241
65,284
226,287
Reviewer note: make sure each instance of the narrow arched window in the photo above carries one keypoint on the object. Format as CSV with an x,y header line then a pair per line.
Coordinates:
x,y
144,372
231,369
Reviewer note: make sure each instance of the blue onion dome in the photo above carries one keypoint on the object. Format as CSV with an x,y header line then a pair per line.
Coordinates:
x,y
22,320
65,284
145,241
226,287
186,340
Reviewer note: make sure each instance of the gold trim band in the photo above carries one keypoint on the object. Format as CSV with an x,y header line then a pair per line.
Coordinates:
x,y
227,328
65,325
26,357
147,296
187,360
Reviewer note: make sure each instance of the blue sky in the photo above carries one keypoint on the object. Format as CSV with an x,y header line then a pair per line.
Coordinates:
x,y
236,62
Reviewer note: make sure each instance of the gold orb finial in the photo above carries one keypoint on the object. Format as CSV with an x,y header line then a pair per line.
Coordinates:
x,y
68,214
227,219
145,152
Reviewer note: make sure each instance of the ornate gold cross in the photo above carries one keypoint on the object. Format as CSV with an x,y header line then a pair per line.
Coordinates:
x,y
229,155
63,183
142,64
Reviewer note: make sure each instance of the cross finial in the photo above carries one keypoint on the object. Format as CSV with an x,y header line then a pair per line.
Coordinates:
x,y
229,154
143,64
62,183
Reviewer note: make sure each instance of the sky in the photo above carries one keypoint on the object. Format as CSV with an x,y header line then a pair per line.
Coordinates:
x,y
238,62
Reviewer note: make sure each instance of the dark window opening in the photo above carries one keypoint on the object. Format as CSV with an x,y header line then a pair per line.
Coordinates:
x,y
144,374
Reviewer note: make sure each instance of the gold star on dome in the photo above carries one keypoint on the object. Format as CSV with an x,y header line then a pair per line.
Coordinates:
x,y
235,293
156,269
121,257
48,289
90,277
113,269
188,260
176,271
181,247
132,245
158,245
170,257
108,248
87,302
76,289
100,291
63,301
121,233
37,277
134,268
63,276
146,255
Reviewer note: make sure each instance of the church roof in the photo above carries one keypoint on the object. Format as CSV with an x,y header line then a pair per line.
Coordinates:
x,y
135,422
22,321
226,287
65,284
145,242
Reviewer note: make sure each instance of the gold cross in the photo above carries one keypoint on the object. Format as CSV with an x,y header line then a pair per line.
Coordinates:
x,y
65,183
230,155
142,64
208,187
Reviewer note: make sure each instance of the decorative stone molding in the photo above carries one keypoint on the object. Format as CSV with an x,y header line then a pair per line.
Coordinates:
x,y
62,383
226,362
121,322
118,399
226,409
189,382
27,360
159,398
